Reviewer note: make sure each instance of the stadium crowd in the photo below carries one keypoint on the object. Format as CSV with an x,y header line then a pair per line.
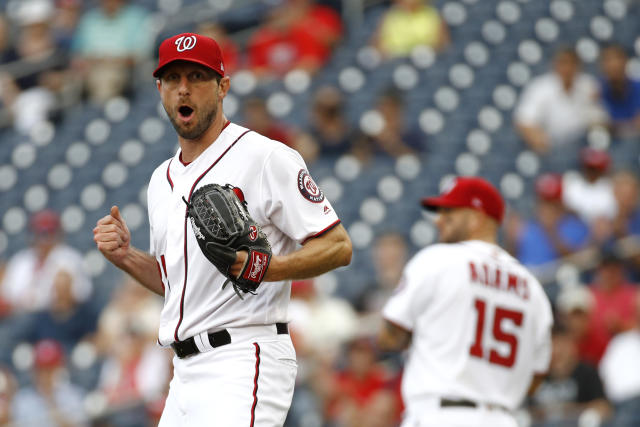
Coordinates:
x,y
69,360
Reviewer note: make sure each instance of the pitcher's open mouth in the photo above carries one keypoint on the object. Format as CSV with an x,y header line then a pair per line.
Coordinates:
x,y
185,112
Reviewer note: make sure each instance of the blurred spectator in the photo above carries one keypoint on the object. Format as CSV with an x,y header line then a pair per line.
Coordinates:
x,y
391,137
590,193
8,387
320,322
65,320
595,314
608,309
557,108
228,47
31,83
619,94
5,306
571,387
298,34
553,232
110,41
389,255
6,52
320,21
258,118
409,24
52,400
28,284
621,376
328,128
130,304
135,371
65,22
614,309
626,190
361,393
575,309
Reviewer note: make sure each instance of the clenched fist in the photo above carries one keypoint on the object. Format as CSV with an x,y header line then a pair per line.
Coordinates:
x,y
112,236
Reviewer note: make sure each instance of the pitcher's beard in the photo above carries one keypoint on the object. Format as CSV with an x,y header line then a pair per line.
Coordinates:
x,y
204,121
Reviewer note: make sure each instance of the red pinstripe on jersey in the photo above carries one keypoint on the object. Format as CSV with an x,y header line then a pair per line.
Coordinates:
x,y
255,384
169,165
169,174
164,268
186,264
160,272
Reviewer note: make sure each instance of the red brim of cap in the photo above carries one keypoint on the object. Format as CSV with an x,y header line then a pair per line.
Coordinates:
x,y
596,165
156,73
433,203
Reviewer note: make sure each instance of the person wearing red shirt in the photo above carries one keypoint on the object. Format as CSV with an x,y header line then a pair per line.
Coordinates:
x,y
321,23
363,391
296,35
614,309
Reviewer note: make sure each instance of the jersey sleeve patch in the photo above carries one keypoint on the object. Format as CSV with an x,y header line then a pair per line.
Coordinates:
x,y
308,187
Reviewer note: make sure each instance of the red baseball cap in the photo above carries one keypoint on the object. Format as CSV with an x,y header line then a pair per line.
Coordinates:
x,y
193,48
45,222
469,192
48,354
549,187
596,159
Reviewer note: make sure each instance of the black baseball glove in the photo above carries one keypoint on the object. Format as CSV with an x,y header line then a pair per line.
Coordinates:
x,y
222,225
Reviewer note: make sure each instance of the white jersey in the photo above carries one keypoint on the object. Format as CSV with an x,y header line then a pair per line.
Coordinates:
x,y
481,325
282,198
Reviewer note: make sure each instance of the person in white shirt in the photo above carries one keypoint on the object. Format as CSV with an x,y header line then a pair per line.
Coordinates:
x,y
557,108
476,322
28,282
590,193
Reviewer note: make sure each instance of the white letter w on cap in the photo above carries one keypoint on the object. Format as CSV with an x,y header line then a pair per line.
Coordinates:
x,y
185,43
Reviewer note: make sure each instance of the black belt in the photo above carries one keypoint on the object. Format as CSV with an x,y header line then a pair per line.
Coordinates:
x,y
451,403
188,347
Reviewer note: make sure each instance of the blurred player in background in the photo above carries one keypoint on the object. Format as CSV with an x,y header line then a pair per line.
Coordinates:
x,y
477,323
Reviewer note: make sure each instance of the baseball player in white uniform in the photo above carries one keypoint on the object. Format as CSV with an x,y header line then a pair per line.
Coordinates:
x,y
477,323
234,363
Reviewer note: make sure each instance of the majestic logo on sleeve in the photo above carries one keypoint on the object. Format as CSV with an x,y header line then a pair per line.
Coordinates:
x,y
308,188
185,43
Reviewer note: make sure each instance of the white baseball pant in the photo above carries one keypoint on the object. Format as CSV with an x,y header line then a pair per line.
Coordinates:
x,y
247,383
429,413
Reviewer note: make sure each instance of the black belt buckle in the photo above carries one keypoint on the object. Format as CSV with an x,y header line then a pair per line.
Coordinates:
x,y
282,328
220,338
451,403
185,348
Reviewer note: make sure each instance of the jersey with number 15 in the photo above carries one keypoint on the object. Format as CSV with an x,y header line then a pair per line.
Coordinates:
x,y
481,324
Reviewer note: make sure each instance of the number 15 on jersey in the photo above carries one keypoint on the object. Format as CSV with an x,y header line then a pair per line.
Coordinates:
x,y
502,350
